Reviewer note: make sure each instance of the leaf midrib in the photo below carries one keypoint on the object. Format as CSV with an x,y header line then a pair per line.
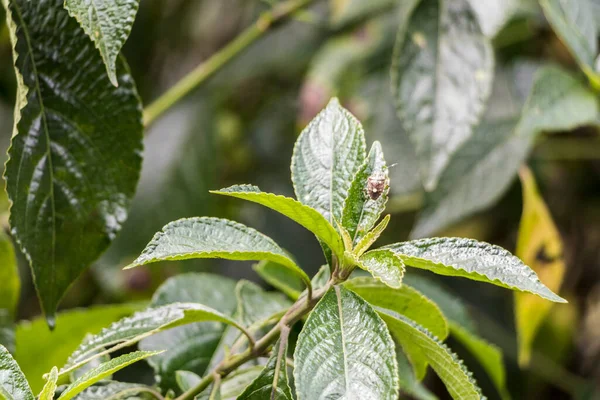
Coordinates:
x,y
339,304
46,133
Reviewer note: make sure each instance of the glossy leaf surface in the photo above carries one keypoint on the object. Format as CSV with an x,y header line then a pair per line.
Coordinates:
x,y
75,156
475,260
345,349
108,24
49,388
384,265
13,385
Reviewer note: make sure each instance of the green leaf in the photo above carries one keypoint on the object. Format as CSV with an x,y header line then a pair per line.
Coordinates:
x,y
236,382
255,304
9,275
47,392
574,21
212,392
280,278
272,383
34,338
446,364
102,371
367,241
361,212
483,169
468,258
190,346
108,24
494,14
441,77
13,385
384,265
540,245
186,380
131,330
327,155
346,11
478,174
405,301
293,209
344,350
463,329
205,237
75,155
117,391
7,330
408,381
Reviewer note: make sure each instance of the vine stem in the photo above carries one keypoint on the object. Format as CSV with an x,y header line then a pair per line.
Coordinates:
x,y
300,308
202,72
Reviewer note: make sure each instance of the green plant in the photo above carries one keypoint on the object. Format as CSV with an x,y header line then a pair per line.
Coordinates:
x,y
357,330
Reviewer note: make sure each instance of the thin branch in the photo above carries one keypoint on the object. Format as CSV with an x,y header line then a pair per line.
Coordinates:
x,y
205,70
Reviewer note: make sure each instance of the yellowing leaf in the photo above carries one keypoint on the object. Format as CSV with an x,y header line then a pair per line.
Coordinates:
x,y
539,246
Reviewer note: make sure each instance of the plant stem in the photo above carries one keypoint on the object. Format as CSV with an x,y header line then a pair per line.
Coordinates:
x,y
205,70
300,308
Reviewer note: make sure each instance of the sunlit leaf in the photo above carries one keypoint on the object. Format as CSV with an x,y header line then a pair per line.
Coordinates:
x,y
345,349
112,390
441,77
9,275
540,246
384,265
75,156
327,155
13,385
280,278
468,258
47,392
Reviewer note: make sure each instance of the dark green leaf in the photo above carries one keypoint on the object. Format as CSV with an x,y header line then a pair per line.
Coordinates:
x,y
102,371
190,346
327,156
423,344
7,330
441,78
280,278
293,209
108,24
361,211
475,260
254,304
75,156
205,237
575,23
13,385
34,338
384,265
345,350
272,383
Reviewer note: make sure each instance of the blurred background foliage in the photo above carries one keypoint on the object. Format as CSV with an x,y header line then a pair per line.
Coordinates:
x,y
241,125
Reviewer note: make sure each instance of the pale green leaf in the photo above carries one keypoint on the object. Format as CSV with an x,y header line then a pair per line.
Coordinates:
x,y
345,350
49,388
483,169
575,23
7,330
384,265
272,383
130,330
475,260
13,385
206,237
236,382
112,390
327,155
255,304
75,154
186,380
408,302
102,371
361,212
540,245
108,24
463,329
367,241
446,364
304,215
190,347
9,275
494,14
280,278
346,11
408,381
34,338
441,77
